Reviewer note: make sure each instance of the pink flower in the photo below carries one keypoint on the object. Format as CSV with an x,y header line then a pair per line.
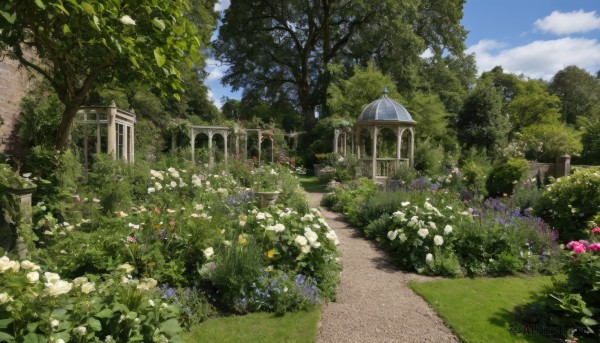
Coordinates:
x,y
595,247
131,239
595,230
578,247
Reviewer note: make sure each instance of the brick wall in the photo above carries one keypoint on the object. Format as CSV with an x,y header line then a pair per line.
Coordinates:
x,y
14,83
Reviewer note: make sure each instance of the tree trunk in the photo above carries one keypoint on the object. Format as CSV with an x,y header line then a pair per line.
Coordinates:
x,y
64,130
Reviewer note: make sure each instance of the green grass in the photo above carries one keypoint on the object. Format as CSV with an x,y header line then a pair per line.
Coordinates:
x,y
299,327
311,184
482,310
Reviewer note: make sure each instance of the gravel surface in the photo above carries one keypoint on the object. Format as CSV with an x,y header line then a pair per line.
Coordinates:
x,y
374,302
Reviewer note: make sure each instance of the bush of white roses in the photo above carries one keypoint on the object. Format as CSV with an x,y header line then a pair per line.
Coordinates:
x,y
39,306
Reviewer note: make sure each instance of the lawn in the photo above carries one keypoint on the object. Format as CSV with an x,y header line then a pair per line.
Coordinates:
x,y
299,327
482,310
311,184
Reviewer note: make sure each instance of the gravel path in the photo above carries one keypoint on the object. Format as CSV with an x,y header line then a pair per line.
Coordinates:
x,y
374,303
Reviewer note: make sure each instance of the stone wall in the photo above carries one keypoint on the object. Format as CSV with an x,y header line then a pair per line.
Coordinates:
x,y
14,83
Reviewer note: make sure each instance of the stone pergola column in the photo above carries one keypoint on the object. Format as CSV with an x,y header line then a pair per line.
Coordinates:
x,y
336,136
112,130
226,146
211,159
412,147
193,135
259,145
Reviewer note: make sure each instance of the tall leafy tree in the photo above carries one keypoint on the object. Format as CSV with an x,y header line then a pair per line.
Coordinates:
x,y
285,46
532,104
79,44
481,123
578,91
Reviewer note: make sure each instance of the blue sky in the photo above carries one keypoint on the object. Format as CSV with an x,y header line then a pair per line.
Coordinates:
x,y
533,37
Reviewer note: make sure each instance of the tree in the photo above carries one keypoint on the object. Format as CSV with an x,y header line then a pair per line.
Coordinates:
x,y
578,92
276,47
80,44
531,104
481,123
590,139
545,142
348,97
429,112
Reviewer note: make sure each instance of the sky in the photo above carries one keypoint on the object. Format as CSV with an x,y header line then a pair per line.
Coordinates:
x,y
536,38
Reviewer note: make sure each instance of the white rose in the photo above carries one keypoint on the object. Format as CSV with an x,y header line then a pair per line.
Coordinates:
x,y
15,266
51,277
127,20
301,240
279,227
60,340
438,240
151,302
54,323
58,288
433,226
305,249
4,298
151,190
429,258
126,267
88,287
423,233
392,235
81,330
158,186
260,216
208,253
447,230
405,203
27,265
4,264
402,238
33,277
311,236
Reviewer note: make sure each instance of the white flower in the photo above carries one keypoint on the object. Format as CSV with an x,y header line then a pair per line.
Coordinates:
x,y
429,258
15,266
126,20
151,190
4,264
279,227
59,287
198,207
158,186
447,230
51,277
208,253
54,323
332,236
226,243
126,267
311,236
134,226
433,226
147,284
151,302
301,240
109,339
156,174
438,240
33,277
260,216
60,340
392,235
423,233
405,203
305,249
27,265
402,238
4,298
80,281
173,184
88,287
81,330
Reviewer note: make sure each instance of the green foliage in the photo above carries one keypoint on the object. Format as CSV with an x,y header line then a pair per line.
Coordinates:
x,y
481,122
429,157
348,97
36,308
571,202
578,91
504,176
532,105
545,142
40,116
590,125
88,44
475,168
428,111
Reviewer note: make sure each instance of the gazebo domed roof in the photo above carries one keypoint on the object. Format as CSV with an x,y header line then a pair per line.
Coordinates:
x,y
386,109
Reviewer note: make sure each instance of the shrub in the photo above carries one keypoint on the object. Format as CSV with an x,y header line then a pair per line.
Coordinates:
x,y
429,158
506,175
570,202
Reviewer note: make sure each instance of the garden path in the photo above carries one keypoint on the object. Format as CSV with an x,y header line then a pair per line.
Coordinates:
x,y
374,302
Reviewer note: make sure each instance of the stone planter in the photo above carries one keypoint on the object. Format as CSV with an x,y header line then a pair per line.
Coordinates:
x,y
24,194
317,169
266,199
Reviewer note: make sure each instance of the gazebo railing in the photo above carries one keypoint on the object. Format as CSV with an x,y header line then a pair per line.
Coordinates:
x,y
386,167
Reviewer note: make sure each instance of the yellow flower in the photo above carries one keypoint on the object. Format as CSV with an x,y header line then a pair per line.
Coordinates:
x,y
270,253
242,239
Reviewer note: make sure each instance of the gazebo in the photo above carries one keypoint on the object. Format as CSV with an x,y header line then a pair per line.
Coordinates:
x,y
384,138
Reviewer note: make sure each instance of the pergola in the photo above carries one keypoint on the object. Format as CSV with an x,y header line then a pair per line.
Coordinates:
x,y
378,117
262,134
107,129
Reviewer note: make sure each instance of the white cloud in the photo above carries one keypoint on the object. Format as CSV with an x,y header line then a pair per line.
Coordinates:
x,y
215,70
564,23
427,53
211,97
538,59
222,5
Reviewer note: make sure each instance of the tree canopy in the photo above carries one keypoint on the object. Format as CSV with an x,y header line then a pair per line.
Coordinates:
x,y
79,44
285,47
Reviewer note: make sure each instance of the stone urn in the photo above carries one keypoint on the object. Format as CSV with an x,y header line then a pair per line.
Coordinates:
x,y
266,199
24,194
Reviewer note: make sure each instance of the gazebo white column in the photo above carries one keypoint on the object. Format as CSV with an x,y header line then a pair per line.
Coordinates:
x,y
411,161
336,136
374,133
112,130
